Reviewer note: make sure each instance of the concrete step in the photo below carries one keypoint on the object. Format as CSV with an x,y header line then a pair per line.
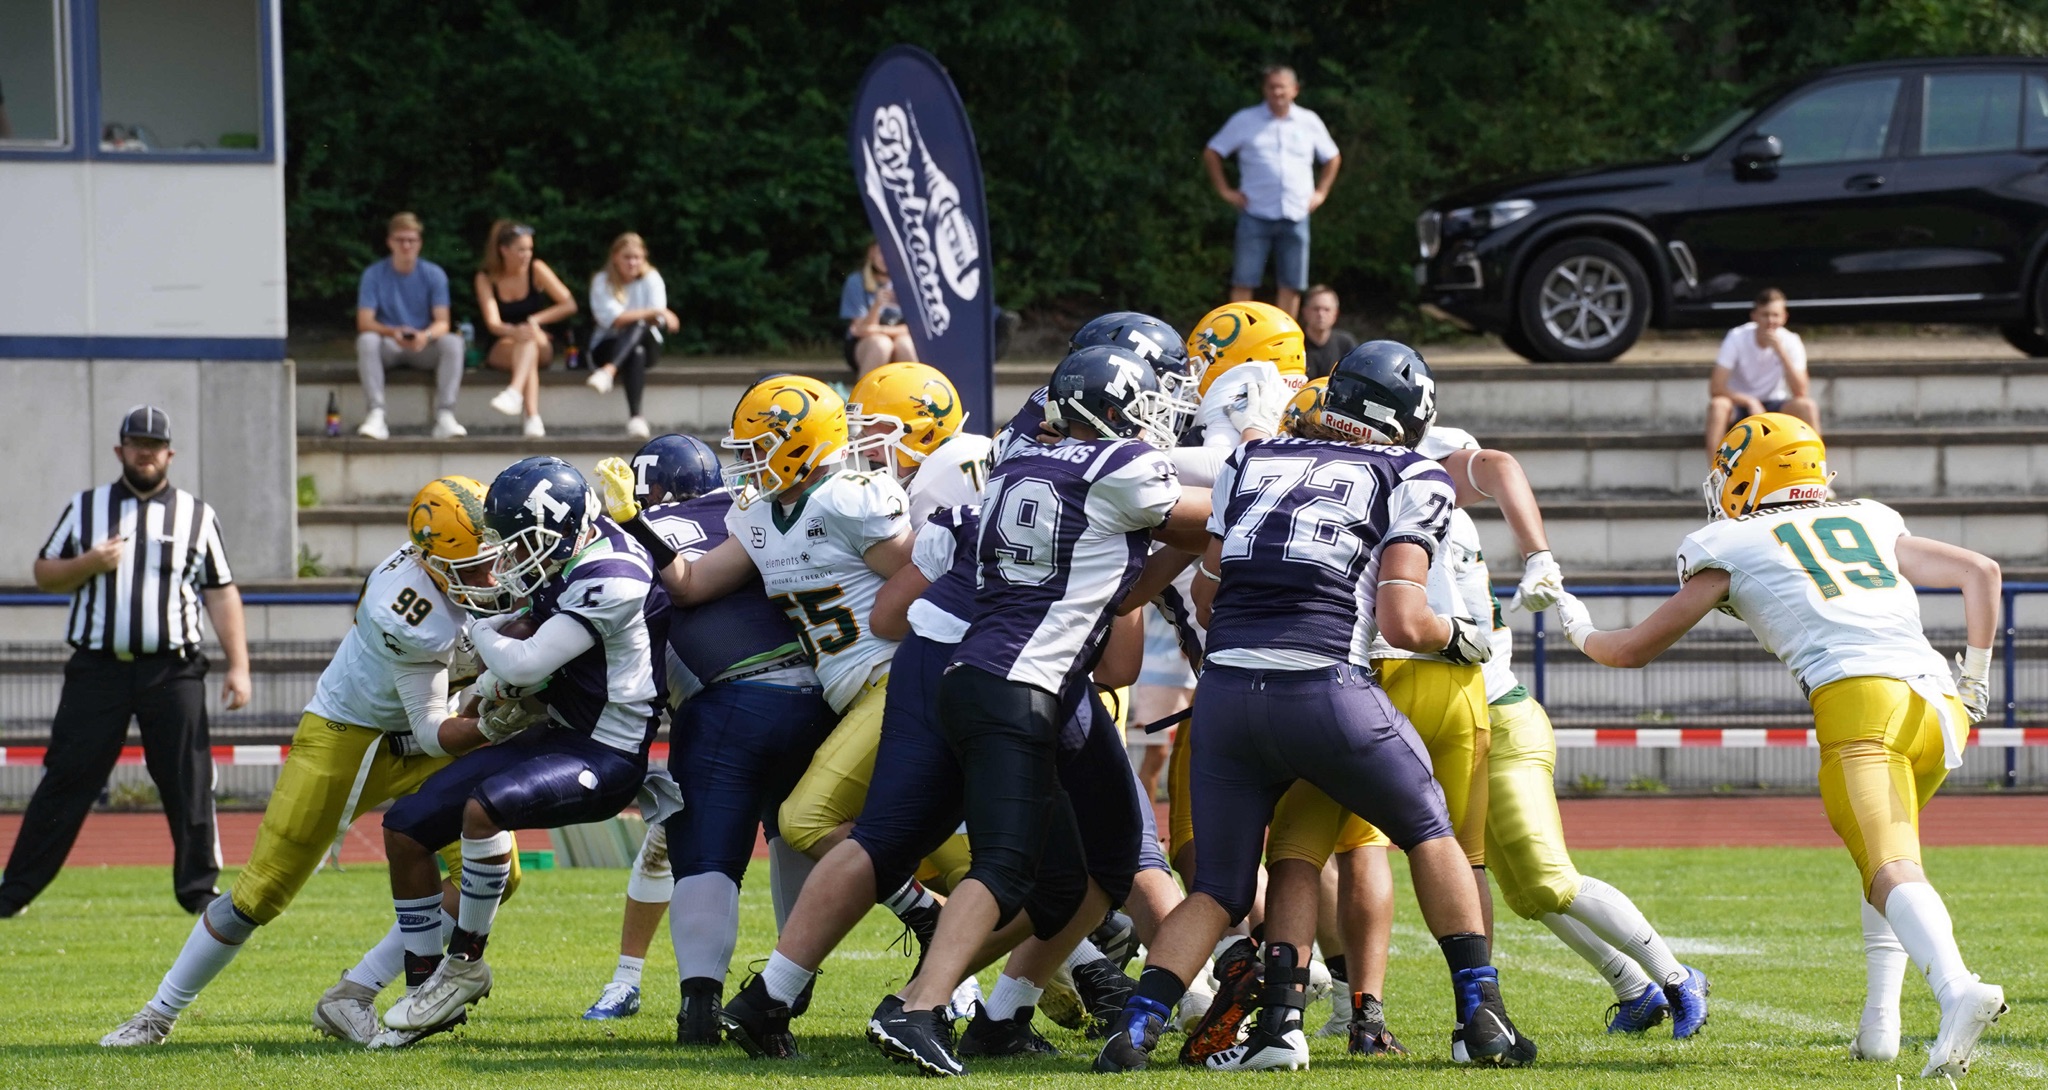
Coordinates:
x,y
354,471
694,396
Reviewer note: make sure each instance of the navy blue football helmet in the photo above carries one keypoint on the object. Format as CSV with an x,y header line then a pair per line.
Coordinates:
x,y
674,468
1381,392
539,511
1156,343
1112,391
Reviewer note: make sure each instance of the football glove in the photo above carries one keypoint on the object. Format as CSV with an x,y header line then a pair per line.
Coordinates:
x,y
1260,404
617,486
1469,645
1541,585
1576,619
491,689
504,718
1973,681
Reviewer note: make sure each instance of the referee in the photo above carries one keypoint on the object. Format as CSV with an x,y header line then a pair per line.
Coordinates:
x,y
136,556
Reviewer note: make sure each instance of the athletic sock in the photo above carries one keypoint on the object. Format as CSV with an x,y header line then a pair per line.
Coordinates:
x,y
419,925
1884,967
628,972
908,898
784,979
1619,970
1339,973
382,963
1922,923
1608,913
787,870
483,884
704,925
202,959
1085,953
1160,986
1011,994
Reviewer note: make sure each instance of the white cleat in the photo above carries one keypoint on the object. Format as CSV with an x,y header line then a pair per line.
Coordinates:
x,y
456,984
1975,1008
1877,1039
401,1038
149,1027
965,998
1320,983
348,1010
1339,1024
1264,1052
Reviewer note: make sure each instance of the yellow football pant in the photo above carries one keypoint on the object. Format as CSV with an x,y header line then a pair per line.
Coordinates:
x,y
1880,761
1447,704
1180,822
835,785
329,762
943,869
1525,846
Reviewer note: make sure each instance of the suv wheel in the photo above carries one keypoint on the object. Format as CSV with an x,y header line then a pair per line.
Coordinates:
x,y
1584,300
2028,334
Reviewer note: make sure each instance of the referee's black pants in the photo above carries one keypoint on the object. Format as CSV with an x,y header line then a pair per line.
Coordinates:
x,y
166,695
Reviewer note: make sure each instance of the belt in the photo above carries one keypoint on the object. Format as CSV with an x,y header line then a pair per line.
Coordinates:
x,y
787,662
182,654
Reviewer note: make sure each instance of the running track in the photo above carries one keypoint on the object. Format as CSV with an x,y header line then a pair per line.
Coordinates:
x,y
140,838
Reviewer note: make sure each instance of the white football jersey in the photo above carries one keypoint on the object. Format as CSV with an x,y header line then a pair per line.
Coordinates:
x,y
810,557
952,475
1444,596
1475,589
403,624
1819,584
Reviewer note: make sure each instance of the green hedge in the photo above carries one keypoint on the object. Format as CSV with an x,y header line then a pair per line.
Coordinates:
x,y
718,130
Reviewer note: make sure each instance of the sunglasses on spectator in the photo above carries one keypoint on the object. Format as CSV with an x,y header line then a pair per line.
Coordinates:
x,y
517,230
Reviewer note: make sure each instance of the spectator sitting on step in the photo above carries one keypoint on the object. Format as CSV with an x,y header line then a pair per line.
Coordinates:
x,y
519,297
875,333
402,319
630,304
1761,369
1326,344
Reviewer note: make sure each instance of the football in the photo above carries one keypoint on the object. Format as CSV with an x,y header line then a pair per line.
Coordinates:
x,y
519,627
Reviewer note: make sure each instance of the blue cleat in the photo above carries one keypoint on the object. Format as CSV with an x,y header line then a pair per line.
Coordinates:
x,y
616,1001
1688,1003
1642,1013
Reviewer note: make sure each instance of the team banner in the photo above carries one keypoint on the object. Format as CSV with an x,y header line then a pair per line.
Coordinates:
x,y
920,180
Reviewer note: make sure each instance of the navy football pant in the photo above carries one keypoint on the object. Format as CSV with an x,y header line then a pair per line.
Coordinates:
x,y
736,749
1258,731
544,778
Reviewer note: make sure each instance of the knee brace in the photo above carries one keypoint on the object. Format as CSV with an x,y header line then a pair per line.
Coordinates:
x,y
652,882
498,843
227,922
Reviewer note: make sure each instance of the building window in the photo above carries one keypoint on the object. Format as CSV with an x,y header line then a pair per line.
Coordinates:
x,y
35,76
181,78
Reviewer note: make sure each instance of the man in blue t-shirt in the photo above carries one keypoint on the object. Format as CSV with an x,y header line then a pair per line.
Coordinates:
x,y
402,318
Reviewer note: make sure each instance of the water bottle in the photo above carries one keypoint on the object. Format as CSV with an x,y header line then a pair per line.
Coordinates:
x,y
333,414
472,357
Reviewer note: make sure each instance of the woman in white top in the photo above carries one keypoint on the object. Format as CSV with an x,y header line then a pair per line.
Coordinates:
x,y
1761,368
630,303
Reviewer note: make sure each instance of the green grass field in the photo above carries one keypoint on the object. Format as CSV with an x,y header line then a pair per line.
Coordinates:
x,y
1775,929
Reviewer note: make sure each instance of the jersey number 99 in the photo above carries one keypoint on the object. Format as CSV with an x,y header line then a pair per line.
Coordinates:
x,y
412,605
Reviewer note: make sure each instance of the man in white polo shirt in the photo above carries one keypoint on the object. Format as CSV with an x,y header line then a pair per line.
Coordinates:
x,y
1277,145
1761,368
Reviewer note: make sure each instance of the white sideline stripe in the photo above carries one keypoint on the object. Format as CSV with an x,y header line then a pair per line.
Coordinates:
x,y
1575,738
1712,948
258,755
1658,738
1743,738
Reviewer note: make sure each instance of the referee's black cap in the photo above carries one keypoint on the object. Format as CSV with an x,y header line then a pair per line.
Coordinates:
x,y
146,422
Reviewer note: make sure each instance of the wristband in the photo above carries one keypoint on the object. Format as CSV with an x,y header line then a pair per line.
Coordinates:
x,y
1203,570
1977,662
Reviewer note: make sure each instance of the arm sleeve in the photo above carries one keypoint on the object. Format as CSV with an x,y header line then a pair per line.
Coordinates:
x,y
1137,495
1198,466
934,550
533,660
213,557
1419,507
63,543
424,692
1220,492
604,310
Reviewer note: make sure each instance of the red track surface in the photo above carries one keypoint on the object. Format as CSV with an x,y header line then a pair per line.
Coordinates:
x,y
121,839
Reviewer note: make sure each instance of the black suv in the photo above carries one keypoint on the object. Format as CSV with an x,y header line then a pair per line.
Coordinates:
x,y
1911,190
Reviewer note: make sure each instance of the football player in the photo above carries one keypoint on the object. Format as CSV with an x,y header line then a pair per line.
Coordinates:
x,y
1317,545
1828,587
581,693
747,713
378,725
1142,335
1064,532
906,418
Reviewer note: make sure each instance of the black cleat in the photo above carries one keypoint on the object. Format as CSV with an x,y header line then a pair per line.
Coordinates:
x,y
1484,1033
1103,989
1012,1036
1117,938
1237,992
754,1021
1133,1037
921,923
1369,1035
698,1023
923,1039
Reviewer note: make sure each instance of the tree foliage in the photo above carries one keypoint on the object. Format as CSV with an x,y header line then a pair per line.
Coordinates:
x,y
717,128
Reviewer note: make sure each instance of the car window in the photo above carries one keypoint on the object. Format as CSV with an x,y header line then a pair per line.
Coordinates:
x,y
2034,114
1970,111
1839,123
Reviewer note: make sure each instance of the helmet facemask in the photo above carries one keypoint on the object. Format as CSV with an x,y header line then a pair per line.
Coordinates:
x,y
875,441
526,561
458,580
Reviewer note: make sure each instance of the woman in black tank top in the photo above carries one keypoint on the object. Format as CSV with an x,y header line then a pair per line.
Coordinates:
x,y
519,295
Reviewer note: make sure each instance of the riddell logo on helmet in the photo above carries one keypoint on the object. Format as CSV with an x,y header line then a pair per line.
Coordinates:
x,y
1805,492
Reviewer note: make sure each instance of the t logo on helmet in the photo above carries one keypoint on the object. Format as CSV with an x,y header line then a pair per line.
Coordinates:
x,y
542,502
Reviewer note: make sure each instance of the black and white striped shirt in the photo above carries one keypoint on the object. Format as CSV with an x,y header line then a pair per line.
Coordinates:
x,y
171,550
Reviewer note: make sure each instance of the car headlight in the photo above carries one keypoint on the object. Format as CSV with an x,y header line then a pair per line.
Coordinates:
x,y
1481,218
1429,233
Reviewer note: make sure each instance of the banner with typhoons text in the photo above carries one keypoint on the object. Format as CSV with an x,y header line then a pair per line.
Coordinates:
x,y
919,176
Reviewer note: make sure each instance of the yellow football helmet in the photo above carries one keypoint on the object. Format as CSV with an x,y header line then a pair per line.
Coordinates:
x,y
783,427
1299,419
1767,458
900,412
1237,333
446,523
